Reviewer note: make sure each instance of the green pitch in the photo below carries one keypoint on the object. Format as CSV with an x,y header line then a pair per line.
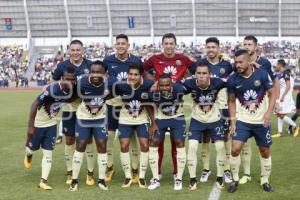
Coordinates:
x,y
18,183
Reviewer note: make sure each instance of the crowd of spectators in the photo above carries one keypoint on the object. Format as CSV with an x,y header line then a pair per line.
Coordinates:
x,y
13,65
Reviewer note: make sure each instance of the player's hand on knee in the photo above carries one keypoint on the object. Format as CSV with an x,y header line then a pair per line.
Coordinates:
x,y
232,129
153,130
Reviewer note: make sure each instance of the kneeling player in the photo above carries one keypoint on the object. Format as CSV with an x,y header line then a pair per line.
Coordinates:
x,y
251,87
133,118
206,117
169,117
43,120
91,121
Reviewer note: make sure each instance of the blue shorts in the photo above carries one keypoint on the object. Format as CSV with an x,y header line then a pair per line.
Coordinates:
x,y
68,122
126,131
43,137
176,126
261,134
198,128
225,120
113,114
86,128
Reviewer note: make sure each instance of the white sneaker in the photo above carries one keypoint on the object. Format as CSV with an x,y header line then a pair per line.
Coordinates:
x,y
159,176
178,184
227,176
204,176
154,184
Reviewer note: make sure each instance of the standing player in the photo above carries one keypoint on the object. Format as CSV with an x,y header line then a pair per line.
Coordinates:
x,y
250,86
206,118
134,118
286,102
251,45
81,66
218,68
177,66
168,116
117,67
43,120
93,90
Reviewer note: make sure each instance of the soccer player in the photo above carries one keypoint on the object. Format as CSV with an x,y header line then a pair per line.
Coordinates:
x,y
134,118
43,119
168,116
286,102
297,114
206,117
178,66
219,68
82,66
117,67
250,86
93,90
251,45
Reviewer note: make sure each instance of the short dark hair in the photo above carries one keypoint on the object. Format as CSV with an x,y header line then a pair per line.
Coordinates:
x,y
281,62
251,37
123,36
99,62
203,64
240,52
168,35
138,67
76,42
69,69
165,75
212,39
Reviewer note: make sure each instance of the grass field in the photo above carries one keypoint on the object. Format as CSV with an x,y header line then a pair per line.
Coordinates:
x,y
18,183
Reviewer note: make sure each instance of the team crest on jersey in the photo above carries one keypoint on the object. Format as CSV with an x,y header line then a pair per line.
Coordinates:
x,y
144,95
178,62
222,70
170,70
251,100
134,108
122,76
257,83
86,71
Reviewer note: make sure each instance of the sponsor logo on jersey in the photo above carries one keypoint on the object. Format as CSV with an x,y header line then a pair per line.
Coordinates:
x,y
134,108
122,76
170,70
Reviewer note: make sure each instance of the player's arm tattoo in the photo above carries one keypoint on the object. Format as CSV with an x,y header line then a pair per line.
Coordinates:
x,y
33,111
272,99
232,112
232,107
